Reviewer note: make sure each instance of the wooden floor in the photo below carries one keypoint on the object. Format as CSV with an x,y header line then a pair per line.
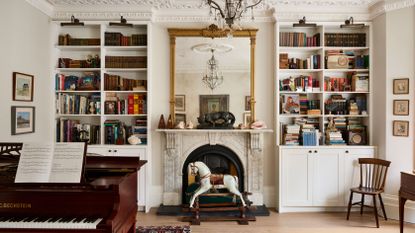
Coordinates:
x,y
286,223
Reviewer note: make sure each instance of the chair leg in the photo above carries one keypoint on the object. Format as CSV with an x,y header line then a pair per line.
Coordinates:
x,y
383,207
362,204
350,205
375,211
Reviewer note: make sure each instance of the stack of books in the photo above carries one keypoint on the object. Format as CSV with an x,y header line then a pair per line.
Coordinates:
x,y
310,137
292,135
335,138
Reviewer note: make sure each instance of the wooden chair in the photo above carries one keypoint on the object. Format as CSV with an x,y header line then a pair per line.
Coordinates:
x,y
372,182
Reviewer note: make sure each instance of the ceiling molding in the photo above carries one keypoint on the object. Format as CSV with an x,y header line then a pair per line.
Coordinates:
x,y
194,11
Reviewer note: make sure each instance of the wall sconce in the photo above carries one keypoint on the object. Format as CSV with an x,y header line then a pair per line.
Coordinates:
x,y
348,23
302,23
74,22
123,23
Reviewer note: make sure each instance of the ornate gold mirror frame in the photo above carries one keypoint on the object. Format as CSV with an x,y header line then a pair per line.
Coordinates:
x,y
212,32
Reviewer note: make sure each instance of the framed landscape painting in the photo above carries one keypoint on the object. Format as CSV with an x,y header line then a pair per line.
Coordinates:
x,y
23,120
22,87
213,103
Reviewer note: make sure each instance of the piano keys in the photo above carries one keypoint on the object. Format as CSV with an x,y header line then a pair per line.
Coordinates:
x,y
105,202
406,192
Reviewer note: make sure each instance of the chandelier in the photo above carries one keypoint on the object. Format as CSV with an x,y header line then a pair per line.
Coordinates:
x,y
229,12
213,76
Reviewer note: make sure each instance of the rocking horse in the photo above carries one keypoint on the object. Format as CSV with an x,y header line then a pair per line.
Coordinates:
x,y
209,180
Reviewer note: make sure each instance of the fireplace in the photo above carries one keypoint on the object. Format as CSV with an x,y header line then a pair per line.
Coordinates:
x,y
219,159
238,152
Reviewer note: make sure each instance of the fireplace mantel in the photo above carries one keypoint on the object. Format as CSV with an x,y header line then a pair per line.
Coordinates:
x,y
246,143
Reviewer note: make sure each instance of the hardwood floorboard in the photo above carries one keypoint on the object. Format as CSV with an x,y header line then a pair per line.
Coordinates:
x,y
286,223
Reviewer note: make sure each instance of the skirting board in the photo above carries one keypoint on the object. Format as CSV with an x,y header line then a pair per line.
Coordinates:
x,y
392,208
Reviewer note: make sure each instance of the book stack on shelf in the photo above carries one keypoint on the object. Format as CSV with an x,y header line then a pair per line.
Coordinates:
x,y
91,61
70,41
118,39
125,62
69,130
345,39
292,135
78,104
117,132
299,39
118,83
335,138
133,104
140,129
89,81
302,83
311,62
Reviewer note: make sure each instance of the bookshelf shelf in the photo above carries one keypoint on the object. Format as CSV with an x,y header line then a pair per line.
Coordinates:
x,y
78,47
302,92
346,115
346,48
97,91
346,70
347,92
126,48
300,70
125,69
125,91
77,69
300,49
125,115
299,115
77,115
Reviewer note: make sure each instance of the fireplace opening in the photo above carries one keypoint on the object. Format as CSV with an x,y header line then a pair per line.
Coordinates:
x,y
219,159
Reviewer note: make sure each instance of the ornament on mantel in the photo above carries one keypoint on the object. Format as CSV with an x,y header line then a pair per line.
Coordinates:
x,y
170,123
189,125
162,123
258,124
180,125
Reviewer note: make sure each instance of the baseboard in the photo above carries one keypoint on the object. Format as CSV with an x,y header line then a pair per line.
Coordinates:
x,y
392,208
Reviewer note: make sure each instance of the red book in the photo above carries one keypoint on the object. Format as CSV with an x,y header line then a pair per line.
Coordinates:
x,y
131,104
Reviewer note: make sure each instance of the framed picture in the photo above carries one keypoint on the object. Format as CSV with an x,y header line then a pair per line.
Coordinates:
x,y
248,103
213,103
401,128
401,86
180,117
247,118
180,103
401,107
22,87
23,120
110,107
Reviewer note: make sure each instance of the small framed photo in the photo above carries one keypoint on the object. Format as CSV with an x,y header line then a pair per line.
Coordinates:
x,y
180,117
401,107
401,128
401,86
248,103
23,120
110,107
247,118
23,87
180,103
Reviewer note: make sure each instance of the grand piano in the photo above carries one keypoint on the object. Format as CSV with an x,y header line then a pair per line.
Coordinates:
x,y
106,201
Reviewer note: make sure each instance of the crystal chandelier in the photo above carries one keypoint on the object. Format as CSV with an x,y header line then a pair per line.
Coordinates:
x,y
213,76
229,12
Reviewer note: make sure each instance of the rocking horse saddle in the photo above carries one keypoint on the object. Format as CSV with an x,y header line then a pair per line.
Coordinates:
x,y
216,179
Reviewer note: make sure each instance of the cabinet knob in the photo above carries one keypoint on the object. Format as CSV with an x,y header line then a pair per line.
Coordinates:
x,y
109,150
347,151
310,151
315,151
115,150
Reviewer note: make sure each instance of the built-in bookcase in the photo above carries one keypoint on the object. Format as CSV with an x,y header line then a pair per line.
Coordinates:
x,y
102,84
323,77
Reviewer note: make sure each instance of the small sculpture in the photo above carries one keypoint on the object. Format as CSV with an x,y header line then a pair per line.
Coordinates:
x,y
189,125
180,125
92,108
170,123
162,123
216,120
134,140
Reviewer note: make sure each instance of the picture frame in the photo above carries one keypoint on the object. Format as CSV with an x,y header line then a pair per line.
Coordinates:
x,y
401,107
110,107
248,103
22,119
23,85
213,103
180,103
247,118
401,128
180,117
401,86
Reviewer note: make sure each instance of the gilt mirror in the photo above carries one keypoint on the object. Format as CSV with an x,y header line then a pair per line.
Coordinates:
x,y
210,72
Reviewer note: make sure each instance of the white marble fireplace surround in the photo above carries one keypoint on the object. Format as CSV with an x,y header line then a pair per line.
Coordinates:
x,y
247,144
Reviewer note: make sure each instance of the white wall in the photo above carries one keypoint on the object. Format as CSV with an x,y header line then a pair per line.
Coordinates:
x,y
394,57
25,47
264,70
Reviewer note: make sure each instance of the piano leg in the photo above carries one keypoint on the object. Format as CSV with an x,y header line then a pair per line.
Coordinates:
x,y
401,212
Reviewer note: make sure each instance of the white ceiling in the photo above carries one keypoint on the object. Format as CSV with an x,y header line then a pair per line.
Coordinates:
x,y
193,10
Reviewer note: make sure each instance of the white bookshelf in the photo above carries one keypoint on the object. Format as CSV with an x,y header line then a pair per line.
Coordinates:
x,y
97,29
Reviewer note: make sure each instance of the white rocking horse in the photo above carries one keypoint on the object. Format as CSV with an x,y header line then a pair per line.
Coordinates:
x,y
219,180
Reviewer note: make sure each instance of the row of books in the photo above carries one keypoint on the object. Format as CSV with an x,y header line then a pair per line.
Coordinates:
x,y
338,105
299,39
68,40
118,39
302,83
118,83
345,39
78,104
126,61
90,81
90,62
312,62
134,104
117,132
310,137
69,130
352,82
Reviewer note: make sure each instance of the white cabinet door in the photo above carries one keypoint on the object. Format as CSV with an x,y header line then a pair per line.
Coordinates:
x,y
352,169
328,177
296,177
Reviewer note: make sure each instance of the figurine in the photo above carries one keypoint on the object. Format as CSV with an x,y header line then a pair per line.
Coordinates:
x,y
170,123
180,125
258,125
162,123
91,107
134,140
189,125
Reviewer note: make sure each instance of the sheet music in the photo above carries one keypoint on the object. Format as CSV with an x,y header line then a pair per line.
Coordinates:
x,y
67,163
57,163
35,163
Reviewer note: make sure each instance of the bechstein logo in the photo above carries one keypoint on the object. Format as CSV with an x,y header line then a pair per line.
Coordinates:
x,y
11,205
